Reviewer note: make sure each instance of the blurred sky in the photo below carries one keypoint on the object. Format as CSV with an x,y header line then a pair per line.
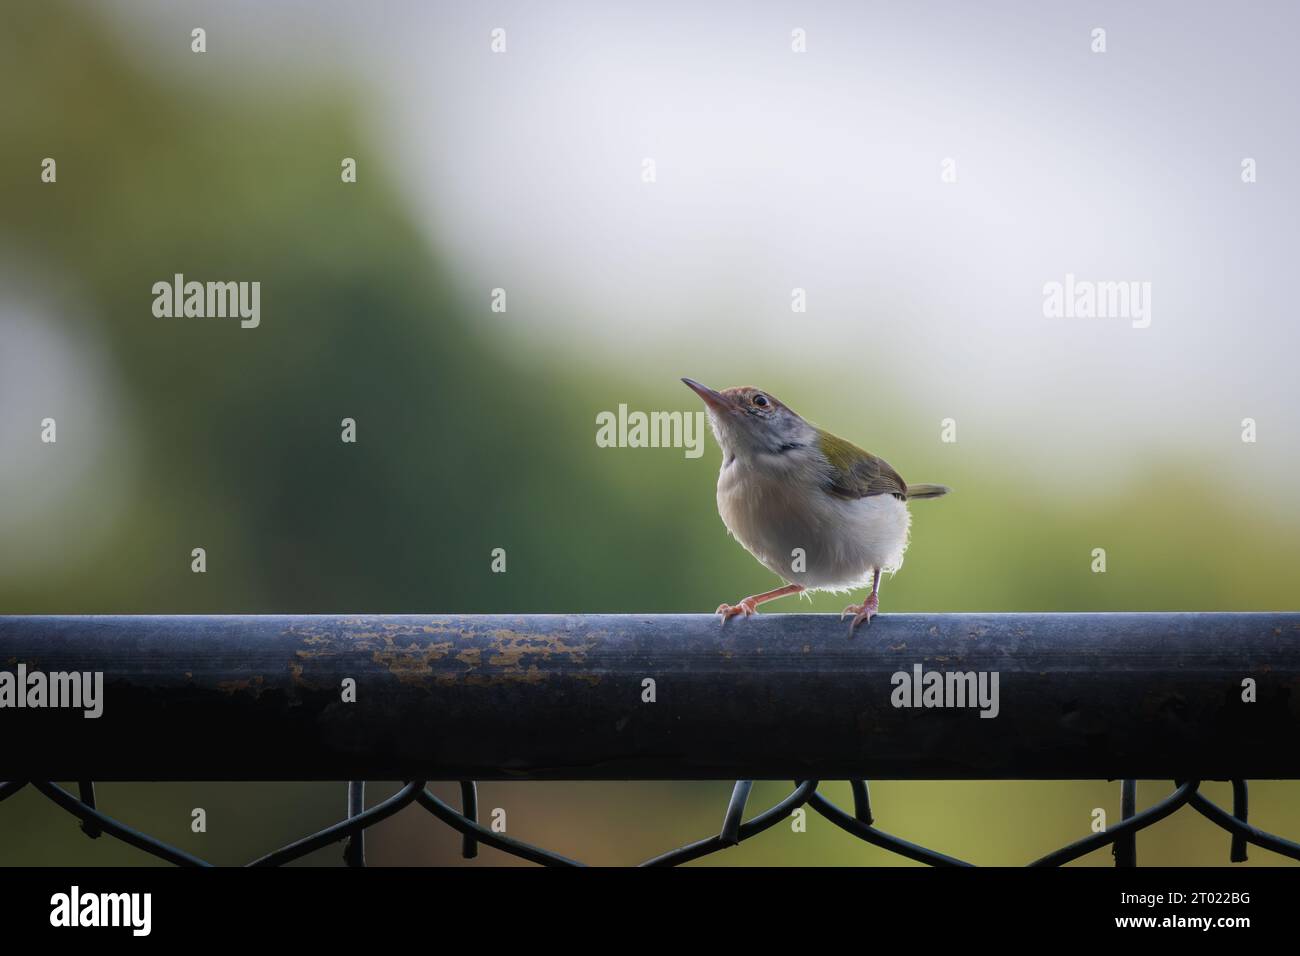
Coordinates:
x,y
821,171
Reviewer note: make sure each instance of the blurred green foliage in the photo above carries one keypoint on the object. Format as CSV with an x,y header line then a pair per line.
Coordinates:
x,y
233,442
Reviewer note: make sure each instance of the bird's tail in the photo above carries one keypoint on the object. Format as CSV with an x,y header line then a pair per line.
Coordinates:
x,y
927,491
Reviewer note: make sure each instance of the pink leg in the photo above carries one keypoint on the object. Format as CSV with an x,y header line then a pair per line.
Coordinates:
x,y
750,604
868,608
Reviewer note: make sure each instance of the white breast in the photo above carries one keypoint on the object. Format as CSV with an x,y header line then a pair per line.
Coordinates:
x,y
842,541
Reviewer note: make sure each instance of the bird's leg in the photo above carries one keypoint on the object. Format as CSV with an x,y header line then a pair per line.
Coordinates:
x,y
750,604
868,608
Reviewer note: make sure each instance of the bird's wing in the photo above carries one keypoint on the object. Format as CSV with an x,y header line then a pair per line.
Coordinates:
x,y
854,473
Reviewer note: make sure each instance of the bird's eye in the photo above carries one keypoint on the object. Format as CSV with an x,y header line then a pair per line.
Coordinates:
x,y
760,401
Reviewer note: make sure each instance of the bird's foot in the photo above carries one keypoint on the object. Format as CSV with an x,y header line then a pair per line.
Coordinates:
x,y
749,606
863,612
746,607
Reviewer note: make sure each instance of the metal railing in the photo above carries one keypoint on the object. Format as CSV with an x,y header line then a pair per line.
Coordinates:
x,y
1178,696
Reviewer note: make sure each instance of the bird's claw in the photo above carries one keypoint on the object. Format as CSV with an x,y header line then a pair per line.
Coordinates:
x,y
862,613
728,611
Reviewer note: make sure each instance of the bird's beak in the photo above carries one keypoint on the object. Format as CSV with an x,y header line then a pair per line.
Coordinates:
x,y
711,398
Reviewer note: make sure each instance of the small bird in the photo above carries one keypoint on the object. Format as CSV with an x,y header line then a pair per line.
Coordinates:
x,y
814,509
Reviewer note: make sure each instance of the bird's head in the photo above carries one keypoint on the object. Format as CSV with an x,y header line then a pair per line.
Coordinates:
x,y
748,421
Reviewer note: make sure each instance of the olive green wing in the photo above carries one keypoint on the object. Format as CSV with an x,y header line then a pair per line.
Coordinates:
x,y
854,473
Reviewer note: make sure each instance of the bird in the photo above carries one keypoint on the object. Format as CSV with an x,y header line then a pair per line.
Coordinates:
x,y
813,508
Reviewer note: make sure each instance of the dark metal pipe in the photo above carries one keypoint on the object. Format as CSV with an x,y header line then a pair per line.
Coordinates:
x,y
785,696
